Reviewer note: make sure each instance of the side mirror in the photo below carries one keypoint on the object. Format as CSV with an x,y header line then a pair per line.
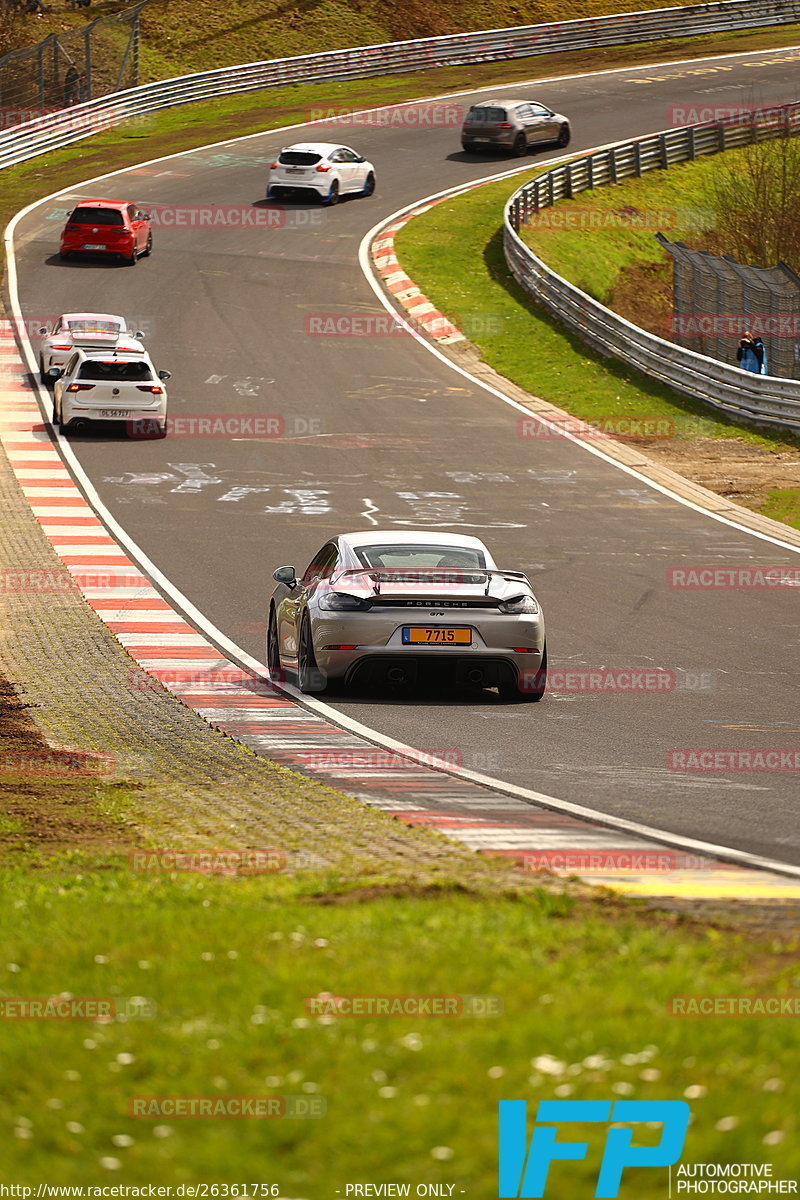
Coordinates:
x,y
165,374
285,575
360,158
55,373
139,335
43,330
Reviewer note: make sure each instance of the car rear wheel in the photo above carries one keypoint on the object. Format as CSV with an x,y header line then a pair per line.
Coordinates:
x,y
273,654
148,250
520,146
309,677
42,373
132,260
563,136
57,418
531,690
369,185
333,194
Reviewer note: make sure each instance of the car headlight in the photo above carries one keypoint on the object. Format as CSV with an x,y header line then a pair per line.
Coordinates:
x,y
343,602
520,604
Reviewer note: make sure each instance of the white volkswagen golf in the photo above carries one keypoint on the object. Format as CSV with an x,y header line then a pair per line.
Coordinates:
x,y
112,386
328,169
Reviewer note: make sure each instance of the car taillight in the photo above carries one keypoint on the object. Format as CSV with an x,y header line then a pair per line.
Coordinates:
x,y
61,346
323,167
272,166
71,228
504,125
80,387
155,388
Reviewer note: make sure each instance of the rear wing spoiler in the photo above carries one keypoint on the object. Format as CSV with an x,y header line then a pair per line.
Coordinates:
x,y
451,575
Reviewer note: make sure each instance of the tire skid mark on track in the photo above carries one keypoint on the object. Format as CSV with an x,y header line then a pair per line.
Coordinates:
x,y
250,710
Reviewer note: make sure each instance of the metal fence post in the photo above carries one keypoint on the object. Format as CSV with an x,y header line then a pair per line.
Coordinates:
x,y
87,56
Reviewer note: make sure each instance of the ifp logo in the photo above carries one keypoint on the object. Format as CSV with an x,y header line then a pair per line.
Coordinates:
x,y
523,1171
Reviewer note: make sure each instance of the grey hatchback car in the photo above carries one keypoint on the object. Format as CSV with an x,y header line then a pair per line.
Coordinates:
x,y
513,125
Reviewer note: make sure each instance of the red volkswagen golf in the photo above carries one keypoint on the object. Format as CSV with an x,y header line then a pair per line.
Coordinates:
x,y
111,227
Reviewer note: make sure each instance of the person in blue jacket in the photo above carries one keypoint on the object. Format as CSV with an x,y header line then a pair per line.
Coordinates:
x,y
751,354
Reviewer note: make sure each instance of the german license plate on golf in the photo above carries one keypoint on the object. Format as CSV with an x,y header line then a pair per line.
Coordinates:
x,y
94,245
436,635
114,412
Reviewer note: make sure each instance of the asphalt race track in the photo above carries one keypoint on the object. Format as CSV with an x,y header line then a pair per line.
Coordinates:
x,y
379,432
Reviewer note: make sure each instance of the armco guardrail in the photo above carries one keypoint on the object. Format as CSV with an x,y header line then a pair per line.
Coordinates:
x,y
756,399
60,129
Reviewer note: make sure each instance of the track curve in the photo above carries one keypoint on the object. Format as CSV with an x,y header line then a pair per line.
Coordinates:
x,y
398,438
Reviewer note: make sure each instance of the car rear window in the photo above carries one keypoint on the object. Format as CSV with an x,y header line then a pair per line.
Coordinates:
x,y
80,329
96,216
401,556
299,158
487,116
114,372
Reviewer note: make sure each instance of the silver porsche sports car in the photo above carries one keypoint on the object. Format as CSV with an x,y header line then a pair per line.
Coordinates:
x,y
384,608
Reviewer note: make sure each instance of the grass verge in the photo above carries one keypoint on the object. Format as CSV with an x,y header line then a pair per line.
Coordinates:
x,y
223,968
454,252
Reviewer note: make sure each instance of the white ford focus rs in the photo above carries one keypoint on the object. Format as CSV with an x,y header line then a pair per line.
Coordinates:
x,y
388,607
325,168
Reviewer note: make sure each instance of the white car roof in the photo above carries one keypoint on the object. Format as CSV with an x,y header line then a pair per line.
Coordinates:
x,y
324,148
400,537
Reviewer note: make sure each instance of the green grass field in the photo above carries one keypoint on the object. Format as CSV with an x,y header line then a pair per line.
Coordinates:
x,y
584,985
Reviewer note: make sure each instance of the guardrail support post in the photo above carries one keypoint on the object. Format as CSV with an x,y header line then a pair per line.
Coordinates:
x,y
692,145
590,172
662,146
568,184
637,160
721,136
612,162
